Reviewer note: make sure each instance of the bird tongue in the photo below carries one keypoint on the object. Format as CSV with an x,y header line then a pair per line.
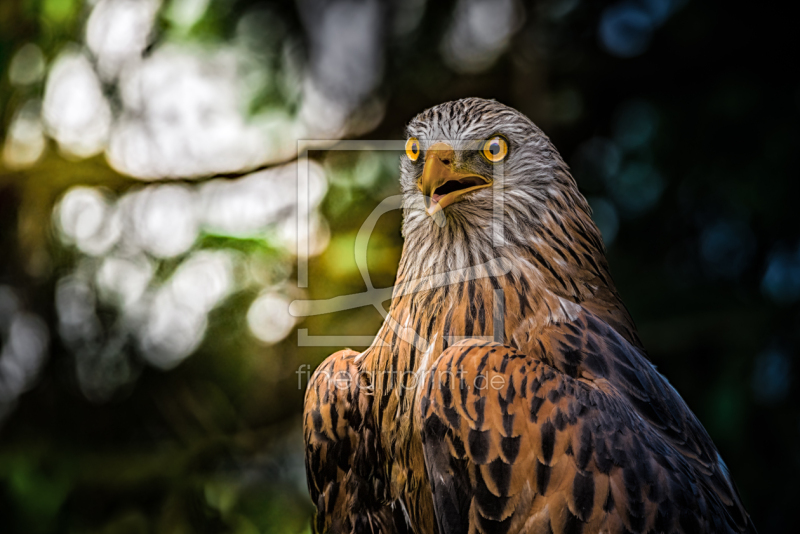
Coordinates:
x,y
451,186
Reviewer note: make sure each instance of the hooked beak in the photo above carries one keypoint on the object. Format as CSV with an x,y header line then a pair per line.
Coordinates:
x,y
441,184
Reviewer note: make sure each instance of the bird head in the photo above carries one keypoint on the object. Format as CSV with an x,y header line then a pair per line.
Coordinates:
x,y
475,166
470,158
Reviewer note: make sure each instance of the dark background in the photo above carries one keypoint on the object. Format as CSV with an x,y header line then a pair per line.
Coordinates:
x,y
678,118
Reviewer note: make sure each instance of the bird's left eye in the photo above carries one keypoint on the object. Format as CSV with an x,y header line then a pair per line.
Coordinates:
x,y
412,148
495,149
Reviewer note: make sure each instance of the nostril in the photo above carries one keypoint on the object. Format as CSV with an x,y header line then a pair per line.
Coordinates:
x,y
446,161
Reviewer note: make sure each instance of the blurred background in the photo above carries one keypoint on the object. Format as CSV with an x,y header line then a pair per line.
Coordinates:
x,y
148,362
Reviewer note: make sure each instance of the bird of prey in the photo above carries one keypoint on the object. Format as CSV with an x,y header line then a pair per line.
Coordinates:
x,y
507,390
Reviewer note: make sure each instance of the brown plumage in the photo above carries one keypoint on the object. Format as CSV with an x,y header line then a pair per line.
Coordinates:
x,y
507,391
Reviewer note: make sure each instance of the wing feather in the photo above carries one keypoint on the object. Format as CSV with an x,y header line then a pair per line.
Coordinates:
x,y
581,435
343,454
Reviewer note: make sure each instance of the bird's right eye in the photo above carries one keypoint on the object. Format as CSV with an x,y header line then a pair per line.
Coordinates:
x,y
412,148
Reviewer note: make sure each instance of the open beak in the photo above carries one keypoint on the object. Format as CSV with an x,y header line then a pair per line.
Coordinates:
x,y
442,185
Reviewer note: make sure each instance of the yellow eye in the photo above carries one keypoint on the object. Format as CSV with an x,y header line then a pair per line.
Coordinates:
x,y
495,149
412,148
